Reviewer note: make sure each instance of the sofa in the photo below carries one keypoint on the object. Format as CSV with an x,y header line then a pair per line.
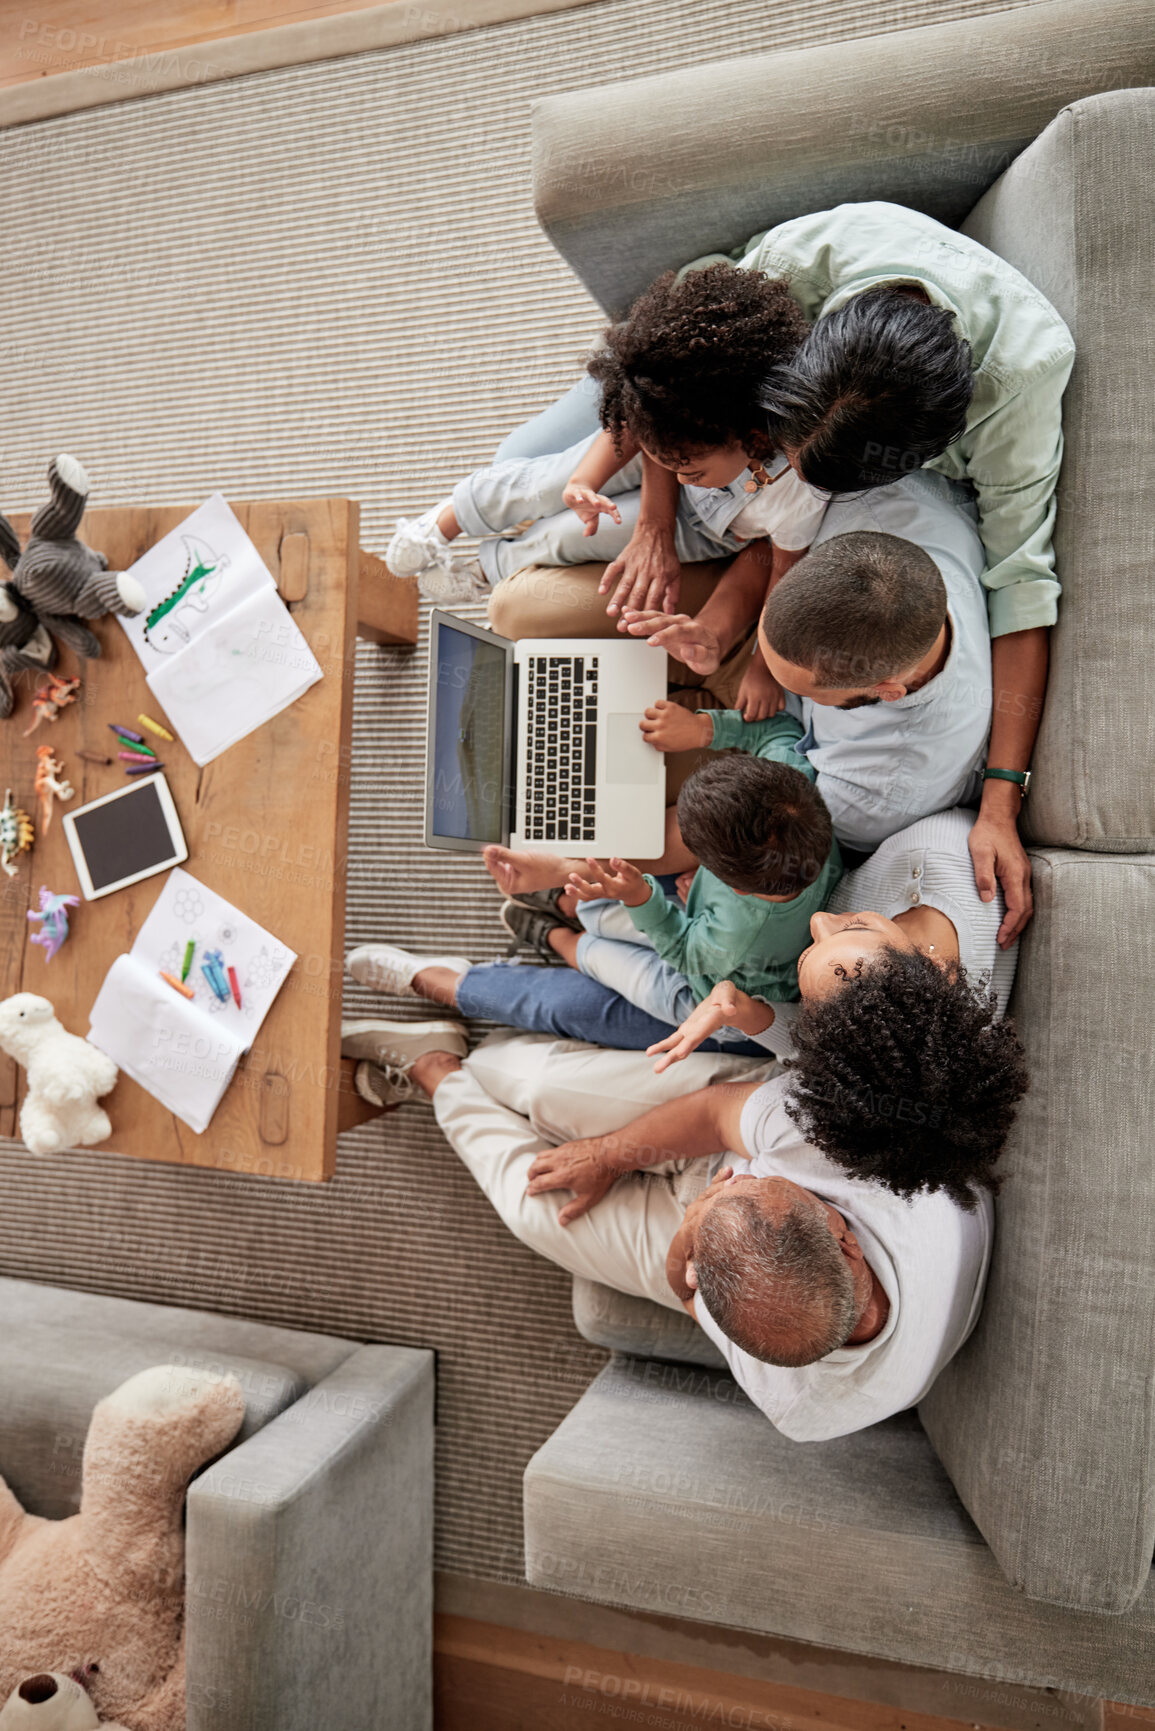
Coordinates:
x,y
1006,1530
309,1565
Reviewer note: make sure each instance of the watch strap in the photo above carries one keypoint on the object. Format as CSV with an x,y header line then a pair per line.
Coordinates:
x,y
1021,776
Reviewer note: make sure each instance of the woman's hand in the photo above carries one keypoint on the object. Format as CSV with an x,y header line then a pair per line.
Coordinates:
x,y
997,853
693,644
578,1166
759,696
669,727
726,1007
619,881
647,574
589,506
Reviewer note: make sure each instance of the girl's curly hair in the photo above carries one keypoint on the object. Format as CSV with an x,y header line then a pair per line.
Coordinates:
x,y
907,1076
682,371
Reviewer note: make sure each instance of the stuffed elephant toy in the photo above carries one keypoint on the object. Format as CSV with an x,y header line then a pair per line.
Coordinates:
x,y
57,582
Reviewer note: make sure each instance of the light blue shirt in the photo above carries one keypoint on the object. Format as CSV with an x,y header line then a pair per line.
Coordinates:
x,y
885,765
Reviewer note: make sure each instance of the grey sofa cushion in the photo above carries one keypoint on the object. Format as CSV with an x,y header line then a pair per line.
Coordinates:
x,y
1074,215
638,1326
670,1493
62,1351
1045,1419
633,178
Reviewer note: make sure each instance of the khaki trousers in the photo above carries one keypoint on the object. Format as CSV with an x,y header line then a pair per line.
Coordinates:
x,y
519,1093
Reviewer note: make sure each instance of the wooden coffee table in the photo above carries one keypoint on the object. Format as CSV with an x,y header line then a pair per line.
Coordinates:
x,y
266,826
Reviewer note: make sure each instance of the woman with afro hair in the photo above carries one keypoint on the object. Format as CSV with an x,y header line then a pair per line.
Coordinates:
x,y
679,384
902,1065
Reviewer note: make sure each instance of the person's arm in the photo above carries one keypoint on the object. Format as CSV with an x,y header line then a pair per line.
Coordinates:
x,y
684,1129
702,642
581,493
1019,682
679,939
648,574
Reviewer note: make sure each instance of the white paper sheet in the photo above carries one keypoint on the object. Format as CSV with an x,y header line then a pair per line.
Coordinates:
x,y
222,652
185,1052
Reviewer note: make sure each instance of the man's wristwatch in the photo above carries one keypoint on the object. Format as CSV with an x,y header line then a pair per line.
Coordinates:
x,y
1022,776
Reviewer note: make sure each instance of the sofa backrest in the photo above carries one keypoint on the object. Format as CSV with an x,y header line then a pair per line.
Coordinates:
x,y
635,178
62,1351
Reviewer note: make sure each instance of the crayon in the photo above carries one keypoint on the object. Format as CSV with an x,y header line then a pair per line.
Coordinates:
x,y
126,732
235,988
141,768
189,951
94,757
177,985
154,727
136,757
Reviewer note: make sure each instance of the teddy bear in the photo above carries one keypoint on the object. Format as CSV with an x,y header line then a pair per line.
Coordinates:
x,y
66,1075
98,1599
57,582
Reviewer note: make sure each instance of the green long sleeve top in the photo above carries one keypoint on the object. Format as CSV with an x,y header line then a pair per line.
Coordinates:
x,y
721,935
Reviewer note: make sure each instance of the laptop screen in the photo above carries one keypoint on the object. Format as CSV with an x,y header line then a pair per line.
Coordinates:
x,y
469,767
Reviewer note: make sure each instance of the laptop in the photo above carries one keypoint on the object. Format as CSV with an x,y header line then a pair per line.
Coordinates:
x,y
536,744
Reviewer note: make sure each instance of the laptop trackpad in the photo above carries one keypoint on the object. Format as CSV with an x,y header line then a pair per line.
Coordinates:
x,y
629,758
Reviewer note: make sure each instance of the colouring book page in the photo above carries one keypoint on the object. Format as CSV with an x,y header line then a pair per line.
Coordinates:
x,y
192,578
189,910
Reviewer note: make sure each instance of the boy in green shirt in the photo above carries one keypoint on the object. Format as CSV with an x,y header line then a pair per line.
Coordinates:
x,y
768,862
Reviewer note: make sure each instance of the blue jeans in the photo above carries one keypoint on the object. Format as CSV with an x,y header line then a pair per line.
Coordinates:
x,y
574,416
561,1001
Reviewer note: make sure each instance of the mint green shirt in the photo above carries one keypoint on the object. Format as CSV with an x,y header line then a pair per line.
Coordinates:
x,y
721,935
1023,352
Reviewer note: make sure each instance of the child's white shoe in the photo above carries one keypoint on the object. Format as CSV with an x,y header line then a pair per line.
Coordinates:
x,y
457,580
418,543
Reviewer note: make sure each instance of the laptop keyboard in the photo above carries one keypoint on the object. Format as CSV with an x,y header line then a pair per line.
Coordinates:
x,y
561,748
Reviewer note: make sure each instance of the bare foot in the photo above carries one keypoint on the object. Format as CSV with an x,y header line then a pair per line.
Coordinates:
x,y
516,874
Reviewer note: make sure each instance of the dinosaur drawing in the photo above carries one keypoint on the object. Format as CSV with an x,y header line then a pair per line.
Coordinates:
x,y
166,626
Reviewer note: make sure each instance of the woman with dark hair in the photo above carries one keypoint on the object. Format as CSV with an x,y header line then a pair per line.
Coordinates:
x,y
903,1065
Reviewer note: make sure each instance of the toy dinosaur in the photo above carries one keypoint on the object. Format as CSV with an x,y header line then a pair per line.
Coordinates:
x,y
48,783
57,582
52,695
16,833
53,915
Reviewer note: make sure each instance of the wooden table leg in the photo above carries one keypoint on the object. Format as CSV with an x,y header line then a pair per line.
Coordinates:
x,y
386,605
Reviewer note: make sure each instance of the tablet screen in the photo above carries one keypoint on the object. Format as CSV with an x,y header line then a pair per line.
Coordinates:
x,y
126,836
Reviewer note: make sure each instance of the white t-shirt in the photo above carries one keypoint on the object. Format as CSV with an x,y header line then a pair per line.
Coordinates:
x,y
930,1255
789,510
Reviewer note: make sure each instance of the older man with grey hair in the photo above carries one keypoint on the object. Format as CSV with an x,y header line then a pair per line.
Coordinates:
x,y
834,1301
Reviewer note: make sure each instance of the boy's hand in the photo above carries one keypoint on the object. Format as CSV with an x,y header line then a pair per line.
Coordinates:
x,y
689,642
669,727
726,1007
589,506
577,1166
619,881
759,695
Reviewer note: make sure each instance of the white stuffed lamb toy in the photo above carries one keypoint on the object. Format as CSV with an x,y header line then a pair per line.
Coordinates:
x,y
66,1075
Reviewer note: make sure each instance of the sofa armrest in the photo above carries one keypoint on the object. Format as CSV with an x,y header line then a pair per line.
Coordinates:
x,y
310,1560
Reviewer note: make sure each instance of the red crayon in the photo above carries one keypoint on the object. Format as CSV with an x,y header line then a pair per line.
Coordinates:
x,y
235,988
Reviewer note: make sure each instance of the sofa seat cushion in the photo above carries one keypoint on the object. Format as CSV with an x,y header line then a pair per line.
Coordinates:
x,y
1073,213
63,1351
1046,1419
666,1490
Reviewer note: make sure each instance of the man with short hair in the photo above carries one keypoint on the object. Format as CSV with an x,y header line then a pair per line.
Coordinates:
x,y
835,1302
894,734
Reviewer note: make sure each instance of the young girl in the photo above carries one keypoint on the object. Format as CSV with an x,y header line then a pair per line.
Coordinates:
x,y
678,376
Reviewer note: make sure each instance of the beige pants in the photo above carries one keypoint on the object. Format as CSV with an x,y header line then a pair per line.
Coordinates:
x,y
563,601
520,1093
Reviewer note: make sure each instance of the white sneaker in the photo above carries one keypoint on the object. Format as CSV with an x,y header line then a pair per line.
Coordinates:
x,y
459,579
418,543
389,969
387,1052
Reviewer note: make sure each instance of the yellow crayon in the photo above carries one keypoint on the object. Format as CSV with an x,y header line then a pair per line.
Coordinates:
x,y
154,726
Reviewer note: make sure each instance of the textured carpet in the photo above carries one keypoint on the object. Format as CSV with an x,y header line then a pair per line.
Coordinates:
x,y
329,280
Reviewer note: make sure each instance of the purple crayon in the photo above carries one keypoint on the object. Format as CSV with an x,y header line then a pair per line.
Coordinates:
x,y
126,732
141,768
